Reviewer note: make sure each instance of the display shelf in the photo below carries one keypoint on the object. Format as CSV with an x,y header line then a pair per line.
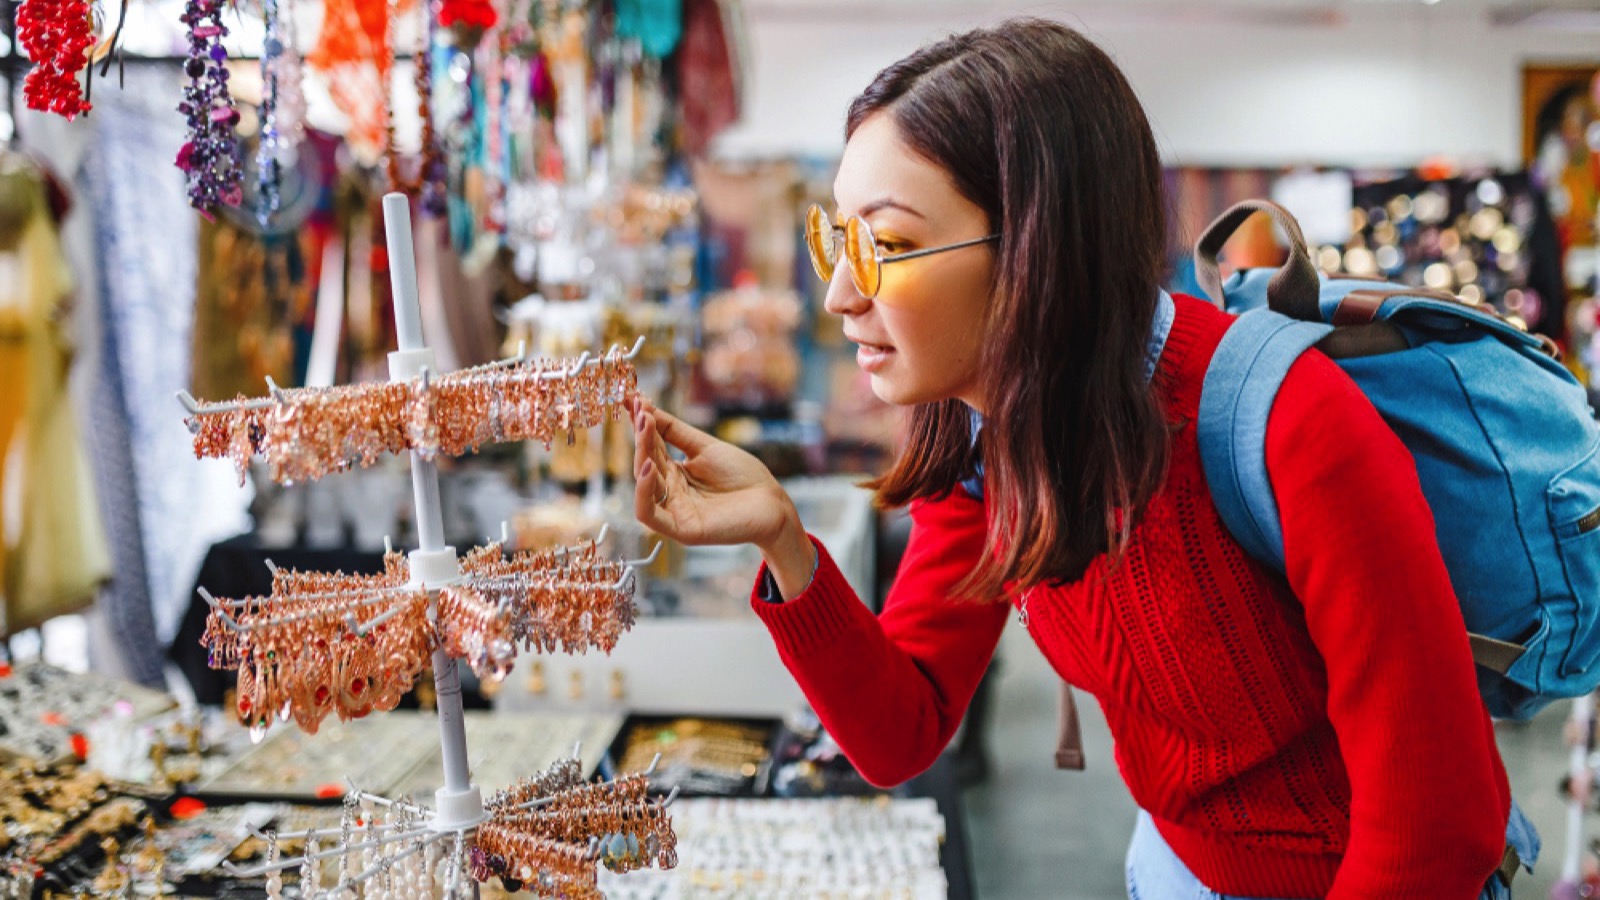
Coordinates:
x,y
42,707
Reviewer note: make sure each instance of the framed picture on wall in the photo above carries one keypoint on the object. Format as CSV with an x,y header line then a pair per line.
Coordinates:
x,y
1561,145
1553,93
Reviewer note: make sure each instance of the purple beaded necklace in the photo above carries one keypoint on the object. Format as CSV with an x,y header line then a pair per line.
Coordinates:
x,y
210,157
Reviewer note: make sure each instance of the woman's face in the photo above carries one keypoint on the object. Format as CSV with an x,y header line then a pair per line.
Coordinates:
x,y
919,339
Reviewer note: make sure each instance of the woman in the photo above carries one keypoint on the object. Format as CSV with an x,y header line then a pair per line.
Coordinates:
x,y
1283,738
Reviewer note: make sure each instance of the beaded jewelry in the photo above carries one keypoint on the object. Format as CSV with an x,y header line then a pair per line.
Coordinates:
x,y
210,155
307,433
57,36
269,151
290,106
429,179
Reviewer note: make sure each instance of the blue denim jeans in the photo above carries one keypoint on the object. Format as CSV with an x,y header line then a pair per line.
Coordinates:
x,y
1156,873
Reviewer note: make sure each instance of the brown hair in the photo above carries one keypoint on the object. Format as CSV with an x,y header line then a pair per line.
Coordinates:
x,y
1036,125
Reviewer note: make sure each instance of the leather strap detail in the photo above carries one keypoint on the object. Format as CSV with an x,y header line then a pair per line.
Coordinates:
x,y
1360,307
1509,864
1292,291
1356,341
1069,746
1363,303
1495,655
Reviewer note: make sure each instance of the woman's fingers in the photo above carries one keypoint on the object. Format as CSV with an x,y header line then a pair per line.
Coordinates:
x,y
647,506
647,443
644,434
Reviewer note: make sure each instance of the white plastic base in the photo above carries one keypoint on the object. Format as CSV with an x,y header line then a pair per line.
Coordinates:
x,y
405,365
456,811
434,568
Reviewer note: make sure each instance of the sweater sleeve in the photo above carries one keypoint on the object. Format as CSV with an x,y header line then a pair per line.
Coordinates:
x,y
892,689
1429,796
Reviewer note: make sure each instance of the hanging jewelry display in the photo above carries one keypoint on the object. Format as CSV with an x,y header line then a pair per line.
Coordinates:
x,y
349,644
105,52
546,835
433,173
391,146
468,20
290,105
209,157
269,151
491,206
56,34
306,433
350,51
428,182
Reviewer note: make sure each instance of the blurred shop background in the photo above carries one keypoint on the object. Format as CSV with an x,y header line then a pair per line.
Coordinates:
x,y
584,173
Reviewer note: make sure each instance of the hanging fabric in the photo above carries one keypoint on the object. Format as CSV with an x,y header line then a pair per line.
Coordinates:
x,y
656,24
709,62
242,326
57,555
353,52
161,517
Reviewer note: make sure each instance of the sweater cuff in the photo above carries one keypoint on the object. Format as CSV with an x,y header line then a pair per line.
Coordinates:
x,y
816,616
767,586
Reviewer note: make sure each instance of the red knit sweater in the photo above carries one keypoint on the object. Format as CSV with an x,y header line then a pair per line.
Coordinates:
x,y
1320,737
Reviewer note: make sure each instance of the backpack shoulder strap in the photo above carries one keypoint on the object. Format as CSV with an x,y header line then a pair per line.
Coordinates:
x,y
1241,383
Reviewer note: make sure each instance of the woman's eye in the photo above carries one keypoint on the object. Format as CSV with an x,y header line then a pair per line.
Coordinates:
x,y
892,246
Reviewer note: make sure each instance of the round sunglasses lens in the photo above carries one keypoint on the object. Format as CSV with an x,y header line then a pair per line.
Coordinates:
x,y
861,249
819,240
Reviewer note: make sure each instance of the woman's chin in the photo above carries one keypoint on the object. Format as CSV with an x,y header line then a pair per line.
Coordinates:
x,y
885,389
896,392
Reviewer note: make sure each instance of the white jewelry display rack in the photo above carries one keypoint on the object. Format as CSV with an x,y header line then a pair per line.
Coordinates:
x,y
409,846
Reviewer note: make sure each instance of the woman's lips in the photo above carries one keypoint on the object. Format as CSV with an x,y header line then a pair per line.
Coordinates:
x,y
873,357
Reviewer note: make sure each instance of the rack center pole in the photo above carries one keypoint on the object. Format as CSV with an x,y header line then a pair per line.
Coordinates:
x,y
459,803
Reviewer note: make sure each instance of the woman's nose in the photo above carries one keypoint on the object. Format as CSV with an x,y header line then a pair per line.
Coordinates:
x,y
842,298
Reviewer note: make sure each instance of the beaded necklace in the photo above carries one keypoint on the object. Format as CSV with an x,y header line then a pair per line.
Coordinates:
x,y
210,157
57,36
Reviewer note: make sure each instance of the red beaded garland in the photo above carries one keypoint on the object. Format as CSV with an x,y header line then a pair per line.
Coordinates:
x,y
57,36
476,14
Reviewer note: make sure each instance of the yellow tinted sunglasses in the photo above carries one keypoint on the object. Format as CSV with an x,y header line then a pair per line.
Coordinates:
x,y
861,251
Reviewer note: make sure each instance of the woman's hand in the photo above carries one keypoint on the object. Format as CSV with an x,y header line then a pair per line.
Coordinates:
x,y
718,494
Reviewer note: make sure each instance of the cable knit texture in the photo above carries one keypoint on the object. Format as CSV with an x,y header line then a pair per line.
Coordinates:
x,y
1309,737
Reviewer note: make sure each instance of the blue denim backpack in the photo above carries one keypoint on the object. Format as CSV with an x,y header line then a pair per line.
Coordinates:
x,y
1503,436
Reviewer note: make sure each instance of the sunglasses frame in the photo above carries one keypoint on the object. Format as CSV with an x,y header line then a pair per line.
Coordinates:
x,y
841,233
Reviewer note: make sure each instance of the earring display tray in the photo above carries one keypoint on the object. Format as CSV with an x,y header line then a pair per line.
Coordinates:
x,y
844,847
42,707
398,753
505,748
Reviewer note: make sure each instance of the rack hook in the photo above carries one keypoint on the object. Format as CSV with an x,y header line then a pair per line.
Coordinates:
x,y
640,563
277,392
